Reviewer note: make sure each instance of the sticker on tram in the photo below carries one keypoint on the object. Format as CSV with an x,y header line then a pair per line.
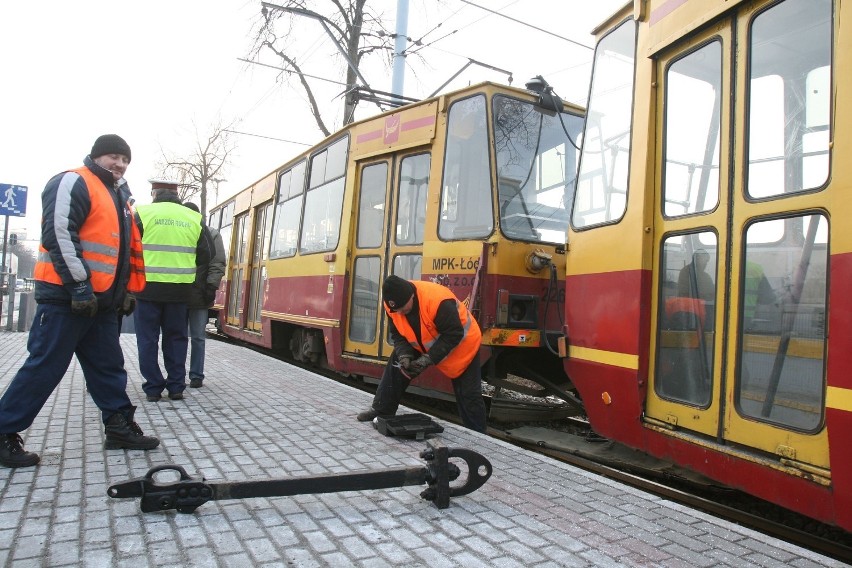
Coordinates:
x,y
455,263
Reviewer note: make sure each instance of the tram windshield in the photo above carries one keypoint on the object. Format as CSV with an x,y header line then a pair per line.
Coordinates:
x,y
537,155
601,196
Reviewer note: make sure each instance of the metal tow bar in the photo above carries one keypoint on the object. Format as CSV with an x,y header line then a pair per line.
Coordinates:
x,y
187,494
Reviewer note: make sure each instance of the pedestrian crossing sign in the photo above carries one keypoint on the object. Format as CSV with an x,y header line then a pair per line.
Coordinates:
x,y
13,200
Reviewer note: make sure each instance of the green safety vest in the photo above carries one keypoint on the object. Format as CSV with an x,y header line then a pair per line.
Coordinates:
x,y
170,236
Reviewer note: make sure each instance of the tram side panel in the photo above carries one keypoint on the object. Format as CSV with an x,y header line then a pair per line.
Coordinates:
x,y
724,437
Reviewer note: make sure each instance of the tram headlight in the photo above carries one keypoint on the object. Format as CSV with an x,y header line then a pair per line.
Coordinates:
x,y
547,99
537,260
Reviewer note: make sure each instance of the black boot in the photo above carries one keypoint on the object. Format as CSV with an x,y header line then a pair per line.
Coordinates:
x,y
12,453
122,433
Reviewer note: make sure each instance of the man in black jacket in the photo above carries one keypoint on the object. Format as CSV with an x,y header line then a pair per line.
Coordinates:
x,y
81,281
207,278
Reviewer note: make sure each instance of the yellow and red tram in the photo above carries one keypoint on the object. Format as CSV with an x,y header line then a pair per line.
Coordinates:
x,y
471,189
707,318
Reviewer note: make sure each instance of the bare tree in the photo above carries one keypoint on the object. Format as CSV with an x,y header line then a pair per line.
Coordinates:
x,y
203,167
357,31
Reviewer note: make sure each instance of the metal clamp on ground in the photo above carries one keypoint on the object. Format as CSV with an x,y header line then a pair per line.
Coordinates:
x,y
187,494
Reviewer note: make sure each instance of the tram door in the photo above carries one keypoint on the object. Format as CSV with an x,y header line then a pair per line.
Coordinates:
x,y
256,270
247,278
740,270
388,239
238,268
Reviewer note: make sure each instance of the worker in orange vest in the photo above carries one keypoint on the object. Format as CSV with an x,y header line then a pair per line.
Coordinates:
x,y
89,263
429,326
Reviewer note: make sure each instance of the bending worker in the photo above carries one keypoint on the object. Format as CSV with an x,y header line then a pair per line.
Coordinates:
x,y
429,326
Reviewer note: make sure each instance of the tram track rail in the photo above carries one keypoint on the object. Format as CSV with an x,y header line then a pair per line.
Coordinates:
x,y
673,488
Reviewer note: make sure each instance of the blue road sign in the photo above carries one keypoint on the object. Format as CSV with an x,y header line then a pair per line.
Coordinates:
x,y
13,200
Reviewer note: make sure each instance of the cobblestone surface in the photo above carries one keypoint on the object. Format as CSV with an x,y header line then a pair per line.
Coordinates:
x,y
258,418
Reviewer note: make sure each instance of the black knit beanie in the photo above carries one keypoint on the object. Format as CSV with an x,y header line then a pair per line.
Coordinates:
x,y
396,292
110,144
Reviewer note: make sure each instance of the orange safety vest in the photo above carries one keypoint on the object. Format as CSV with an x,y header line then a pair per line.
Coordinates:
x,y
429,297
100,240
137,259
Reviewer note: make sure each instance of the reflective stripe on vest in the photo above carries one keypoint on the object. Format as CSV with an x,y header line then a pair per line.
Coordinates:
x,y
429,297
99,235
170,237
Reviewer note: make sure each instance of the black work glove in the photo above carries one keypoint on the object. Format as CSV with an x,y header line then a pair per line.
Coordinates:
x,y
127,305
209,294
83,300
418,366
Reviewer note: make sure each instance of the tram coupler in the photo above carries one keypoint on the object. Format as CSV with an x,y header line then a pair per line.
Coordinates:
x,y
187,493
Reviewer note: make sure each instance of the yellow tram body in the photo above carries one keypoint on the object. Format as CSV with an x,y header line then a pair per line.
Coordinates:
x,y
709,253
470,189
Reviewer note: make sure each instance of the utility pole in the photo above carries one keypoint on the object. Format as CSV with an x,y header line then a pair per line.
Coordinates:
x,y
400,43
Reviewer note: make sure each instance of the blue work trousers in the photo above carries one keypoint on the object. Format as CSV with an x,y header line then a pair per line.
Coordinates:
x,y
55,337
467,388
198,318
151,318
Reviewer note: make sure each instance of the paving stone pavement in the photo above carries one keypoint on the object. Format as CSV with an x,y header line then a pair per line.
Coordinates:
x,y
259,418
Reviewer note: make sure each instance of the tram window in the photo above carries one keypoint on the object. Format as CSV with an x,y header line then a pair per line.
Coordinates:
x,y
408,266
318,169
601,195
365,299
692,128
783,293
324,200
411,202
687,313
226,227
285,230
329,164
321,221
536,169
789,98
242,236
371,207
228,214
466,206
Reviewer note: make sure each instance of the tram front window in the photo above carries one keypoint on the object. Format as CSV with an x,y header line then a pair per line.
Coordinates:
x,y
466,183
536,169
601,195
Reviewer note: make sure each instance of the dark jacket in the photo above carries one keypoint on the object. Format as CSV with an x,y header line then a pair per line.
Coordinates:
x,y
209,275
65,207
171,292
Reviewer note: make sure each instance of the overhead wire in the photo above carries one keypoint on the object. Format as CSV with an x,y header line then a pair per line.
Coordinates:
x,y
526,24
432,43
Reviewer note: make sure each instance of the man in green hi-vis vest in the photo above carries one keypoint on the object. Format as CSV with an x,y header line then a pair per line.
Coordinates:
x,y
172,244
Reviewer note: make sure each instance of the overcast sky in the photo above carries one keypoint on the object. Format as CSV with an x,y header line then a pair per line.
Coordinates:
x,y
151,70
